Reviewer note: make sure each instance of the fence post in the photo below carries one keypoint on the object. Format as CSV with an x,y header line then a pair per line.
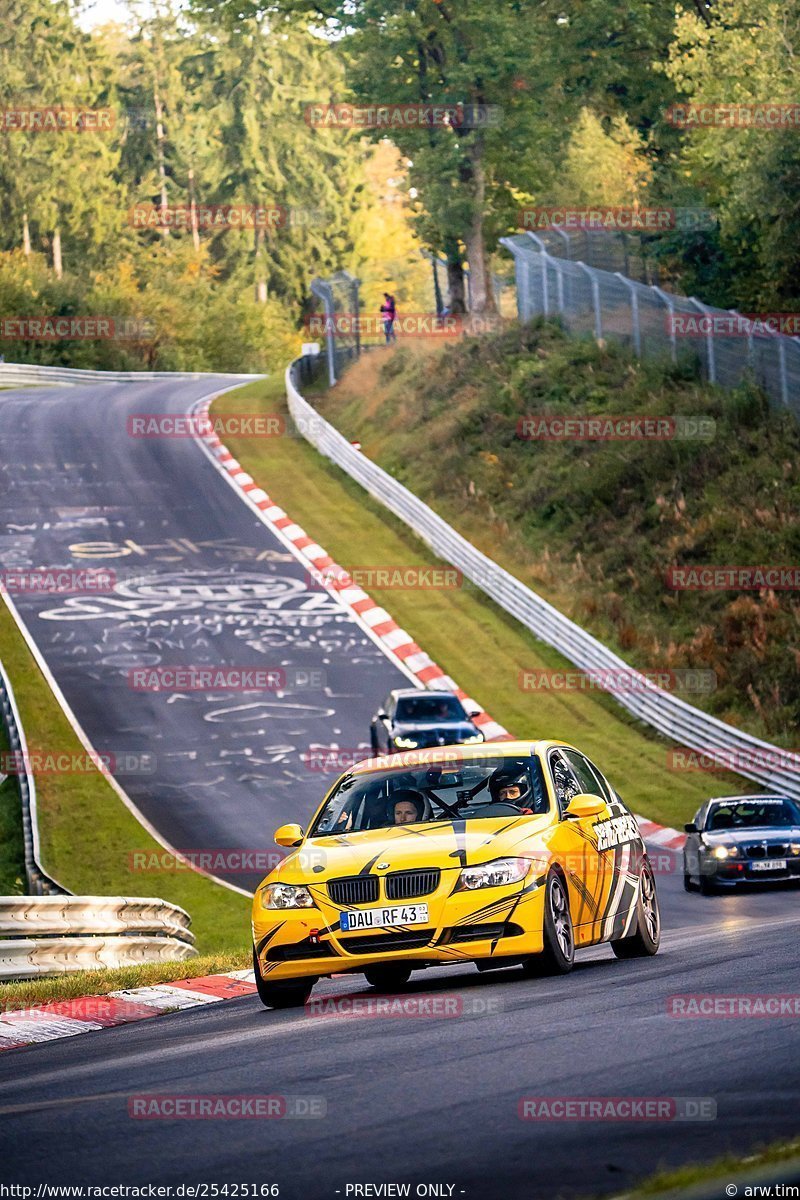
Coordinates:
x,y
667,300
437,289
519,276
595,286
625,259
783,372
751,360
559,285
322,291
545,290
712,361
356,287
563,233
637,333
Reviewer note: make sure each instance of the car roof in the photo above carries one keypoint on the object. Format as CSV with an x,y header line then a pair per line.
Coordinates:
x,y
444,754
744,799
401,693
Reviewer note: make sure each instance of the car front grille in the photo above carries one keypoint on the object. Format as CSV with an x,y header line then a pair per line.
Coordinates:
x,y
357,889
759,850
304,949
379,943
404,885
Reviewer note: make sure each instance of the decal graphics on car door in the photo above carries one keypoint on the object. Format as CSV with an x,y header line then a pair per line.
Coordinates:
x,y
574,845
618,856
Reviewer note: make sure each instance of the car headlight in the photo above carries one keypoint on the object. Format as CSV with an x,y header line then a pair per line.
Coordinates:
x,y
406,743
795,847
286,895
723,852
476,737
495,874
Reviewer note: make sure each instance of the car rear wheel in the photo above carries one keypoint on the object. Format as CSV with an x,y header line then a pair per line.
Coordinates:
x,y
558,955
288,993
647,938
387,978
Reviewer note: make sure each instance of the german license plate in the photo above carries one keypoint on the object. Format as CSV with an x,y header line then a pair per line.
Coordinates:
x,y
380,918
769,864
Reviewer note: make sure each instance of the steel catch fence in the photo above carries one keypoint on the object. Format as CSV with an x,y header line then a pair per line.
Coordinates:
x,y
653,323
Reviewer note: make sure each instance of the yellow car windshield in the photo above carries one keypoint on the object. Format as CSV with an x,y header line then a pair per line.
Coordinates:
x,y
489,787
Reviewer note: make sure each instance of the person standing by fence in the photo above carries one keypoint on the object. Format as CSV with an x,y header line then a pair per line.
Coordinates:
x,y
388,317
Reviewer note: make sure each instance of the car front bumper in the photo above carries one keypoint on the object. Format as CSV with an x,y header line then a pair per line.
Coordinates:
x,y
294,944
729,873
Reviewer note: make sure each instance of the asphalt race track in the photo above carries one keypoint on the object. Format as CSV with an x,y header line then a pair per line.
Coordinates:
x,y
435,1100
200,581
414,1099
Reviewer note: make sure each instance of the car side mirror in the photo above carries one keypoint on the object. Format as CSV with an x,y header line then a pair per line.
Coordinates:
x,y
473,712
690,827
585,806
382,715
289,835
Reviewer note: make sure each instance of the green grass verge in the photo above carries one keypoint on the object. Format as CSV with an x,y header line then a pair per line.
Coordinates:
x,y
88,835
729,1169
100,983
12,845
471,638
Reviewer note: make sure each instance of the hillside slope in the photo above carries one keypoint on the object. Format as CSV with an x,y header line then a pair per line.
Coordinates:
x,y
596,526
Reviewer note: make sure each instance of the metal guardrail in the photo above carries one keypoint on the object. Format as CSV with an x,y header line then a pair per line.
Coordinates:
x,y
53,935
682,723
30,374
39,882
31,958
62,916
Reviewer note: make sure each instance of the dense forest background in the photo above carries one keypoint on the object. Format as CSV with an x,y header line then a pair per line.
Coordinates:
x,y
209,107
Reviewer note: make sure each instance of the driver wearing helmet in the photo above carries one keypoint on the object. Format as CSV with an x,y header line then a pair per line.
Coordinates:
x,y
512,788
406,806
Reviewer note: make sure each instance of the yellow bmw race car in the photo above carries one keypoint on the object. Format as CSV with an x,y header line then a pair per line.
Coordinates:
x,y
517,852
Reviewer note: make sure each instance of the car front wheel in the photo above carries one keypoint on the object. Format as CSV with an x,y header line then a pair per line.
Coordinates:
x,y
288,993
647,938
707,883
558,955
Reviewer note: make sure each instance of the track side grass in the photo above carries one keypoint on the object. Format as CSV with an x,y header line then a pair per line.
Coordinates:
x,y
88,835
